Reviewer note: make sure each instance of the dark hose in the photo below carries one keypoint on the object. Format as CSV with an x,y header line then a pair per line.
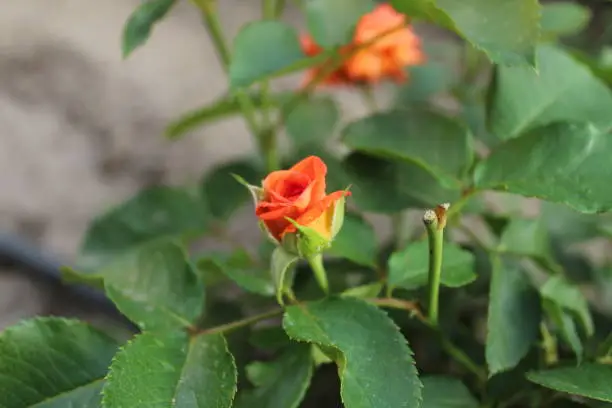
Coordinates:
x,y
44,267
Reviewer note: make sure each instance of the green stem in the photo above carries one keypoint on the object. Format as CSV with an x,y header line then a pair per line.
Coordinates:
x,y
213,27
461,357
269,9
435,233
462,202
316,263
267,146
224,328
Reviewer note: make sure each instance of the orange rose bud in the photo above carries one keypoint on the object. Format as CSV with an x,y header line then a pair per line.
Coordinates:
x,y
392,46
293,204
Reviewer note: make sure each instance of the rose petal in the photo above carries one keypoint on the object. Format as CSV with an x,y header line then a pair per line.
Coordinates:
x,y
316,169
282,185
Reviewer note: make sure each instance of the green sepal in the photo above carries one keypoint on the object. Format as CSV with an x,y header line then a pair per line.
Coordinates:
x,y
338,217
282,272
308,241
256,192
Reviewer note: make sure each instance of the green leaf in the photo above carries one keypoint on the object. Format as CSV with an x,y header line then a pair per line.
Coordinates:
x,y
332,23
587,380
506,30
312,121
529,237
561,90
242,269
563,163
281,383
282,272
446,392
172,370
564,18
409,267
356,241
424,9
569,297
525,237
374,362
155,286
514,317
138,27
564,324
262,48
370,290
221,191
53,363
386,186
153,213
440,145
434,77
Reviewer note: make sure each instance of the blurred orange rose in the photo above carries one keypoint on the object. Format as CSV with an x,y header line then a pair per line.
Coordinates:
x,y
385,57
299,194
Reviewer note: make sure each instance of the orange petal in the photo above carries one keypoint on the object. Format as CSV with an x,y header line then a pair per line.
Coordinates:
x,y
316,169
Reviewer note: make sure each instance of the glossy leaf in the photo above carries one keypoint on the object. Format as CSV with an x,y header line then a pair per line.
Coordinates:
x,y
281,383
446,392
514,317
220,109
153,213
564,18
312,121
260,49
408,268
439,145
588,380
221,191
375,364
332,23
563,163
506,30
558,290
53,363
281,266
138,27
155,286
172,370
387,186
241,268
356,241
561,90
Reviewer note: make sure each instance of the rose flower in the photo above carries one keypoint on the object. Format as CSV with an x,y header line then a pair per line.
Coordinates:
x,y
391,46
299,194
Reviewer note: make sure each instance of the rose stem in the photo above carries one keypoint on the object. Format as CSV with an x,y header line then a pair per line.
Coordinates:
x,y
435,221
316,263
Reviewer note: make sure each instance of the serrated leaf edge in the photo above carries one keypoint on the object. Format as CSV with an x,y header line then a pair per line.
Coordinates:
x,y
387,319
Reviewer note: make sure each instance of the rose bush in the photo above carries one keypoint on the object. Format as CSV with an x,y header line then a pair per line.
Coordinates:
x,y
469,301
